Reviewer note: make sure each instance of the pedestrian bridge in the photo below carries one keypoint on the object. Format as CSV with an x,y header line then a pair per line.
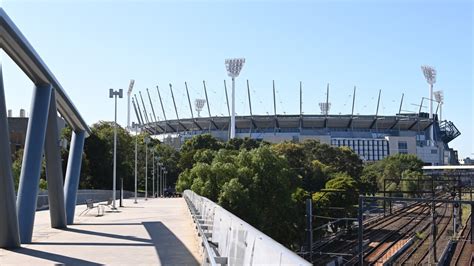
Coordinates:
x,y
159,231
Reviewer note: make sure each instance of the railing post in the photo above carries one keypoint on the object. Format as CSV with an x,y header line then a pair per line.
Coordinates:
x,y
9,235
54,171
73,173
32,157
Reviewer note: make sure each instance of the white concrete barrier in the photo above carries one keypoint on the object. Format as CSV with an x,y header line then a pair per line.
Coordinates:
x,y
234,239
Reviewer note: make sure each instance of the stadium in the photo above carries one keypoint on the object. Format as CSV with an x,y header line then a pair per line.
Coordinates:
x,y
372,137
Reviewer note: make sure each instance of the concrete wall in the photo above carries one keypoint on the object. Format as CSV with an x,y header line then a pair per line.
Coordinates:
x,y
393,144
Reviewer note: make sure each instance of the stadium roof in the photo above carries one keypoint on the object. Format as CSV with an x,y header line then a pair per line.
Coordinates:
x,y
287,122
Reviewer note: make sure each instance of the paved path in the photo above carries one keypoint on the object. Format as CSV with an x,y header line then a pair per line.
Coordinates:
x,y
153,232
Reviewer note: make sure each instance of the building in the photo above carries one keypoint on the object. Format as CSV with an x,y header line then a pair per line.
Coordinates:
x,y
371,137
466,161
18,127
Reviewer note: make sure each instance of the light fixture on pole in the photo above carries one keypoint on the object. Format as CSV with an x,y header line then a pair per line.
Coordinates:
x,y
147,140
136,127
233,67
430,76
199,104
129,93
439,98
115,94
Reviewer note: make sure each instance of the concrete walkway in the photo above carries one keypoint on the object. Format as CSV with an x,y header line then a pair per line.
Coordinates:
x,y
153,232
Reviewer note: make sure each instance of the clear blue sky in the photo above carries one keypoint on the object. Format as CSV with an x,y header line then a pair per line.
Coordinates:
x,y
92,46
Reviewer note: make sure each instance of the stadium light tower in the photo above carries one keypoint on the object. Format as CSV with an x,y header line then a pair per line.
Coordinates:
x,y
199,104
325,107
233,67
439,98
129,93
430,75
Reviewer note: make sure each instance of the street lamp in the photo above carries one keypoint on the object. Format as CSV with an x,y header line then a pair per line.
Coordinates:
x,y
147,140
136,127
114,94
430,76
160,173
233,67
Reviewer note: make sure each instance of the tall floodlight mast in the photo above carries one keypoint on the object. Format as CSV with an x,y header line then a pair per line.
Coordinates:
x,y
430,75
129,93
199,104
233,67
439,98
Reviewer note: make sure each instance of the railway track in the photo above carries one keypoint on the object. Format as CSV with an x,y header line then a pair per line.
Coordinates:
x,y
417,254
463,254
376,232
376,254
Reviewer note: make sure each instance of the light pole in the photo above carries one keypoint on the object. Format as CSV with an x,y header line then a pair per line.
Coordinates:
x,y
153,171
233,67
135,126
114,94
147,140
165,172
157,159
430,76
129,93
160,172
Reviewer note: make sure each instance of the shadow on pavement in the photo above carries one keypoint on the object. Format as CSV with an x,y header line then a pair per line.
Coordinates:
x,y
54,257
170,250
123,237
107,224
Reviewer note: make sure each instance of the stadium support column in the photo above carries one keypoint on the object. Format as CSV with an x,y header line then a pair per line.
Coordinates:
x,y
301,107
32,157
9,235
208,108
73,172
54,171
250,109
401,104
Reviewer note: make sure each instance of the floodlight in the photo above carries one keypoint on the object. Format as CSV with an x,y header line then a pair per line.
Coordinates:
x,y
199,104
234,66
439,96
430,74
325,107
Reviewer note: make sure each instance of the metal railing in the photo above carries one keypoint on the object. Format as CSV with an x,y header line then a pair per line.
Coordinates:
x,y
228,240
